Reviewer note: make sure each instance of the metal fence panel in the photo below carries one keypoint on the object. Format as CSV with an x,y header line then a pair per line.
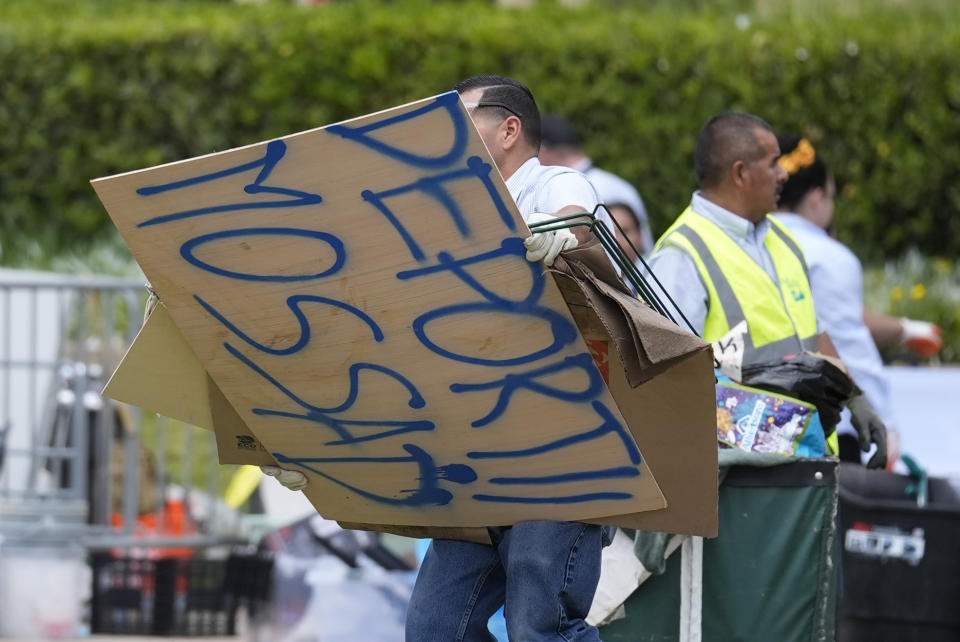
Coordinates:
x,y
72,463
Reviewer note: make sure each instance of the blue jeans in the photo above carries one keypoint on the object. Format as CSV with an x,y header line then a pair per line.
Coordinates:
x,y
545,573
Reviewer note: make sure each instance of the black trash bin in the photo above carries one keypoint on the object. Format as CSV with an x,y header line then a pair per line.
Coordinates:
x,y
900,560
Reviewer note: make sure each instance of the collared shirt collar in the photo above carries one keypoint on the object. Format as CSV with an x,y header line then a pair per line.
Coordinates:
x,y
733,224
519,178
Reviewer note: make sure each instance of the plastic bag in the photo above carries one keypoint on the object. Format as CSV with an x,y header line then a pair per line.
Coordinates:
x,y
808,377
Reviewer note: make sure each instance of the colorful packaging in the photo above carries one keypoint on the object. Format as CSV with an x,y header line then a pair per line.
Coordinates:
x,y
760,421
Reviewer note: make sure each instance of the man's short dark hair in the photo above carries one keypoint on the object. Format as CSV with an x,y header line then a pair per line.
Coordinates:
x,y
724,140
514,95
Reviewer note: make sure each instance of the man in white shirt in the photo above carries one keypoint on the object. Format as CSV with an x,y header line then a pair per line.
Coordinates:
x,y
545,572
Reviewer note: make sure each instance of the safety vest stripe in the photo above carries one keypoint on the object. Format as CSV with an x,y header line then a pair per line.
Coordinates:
x,y
777,350
728,300
790,243
809,343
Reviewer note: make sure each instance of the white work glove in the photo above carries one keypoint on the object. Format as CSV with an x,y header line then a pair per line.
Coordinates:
x,y
923,337
545,246
292,479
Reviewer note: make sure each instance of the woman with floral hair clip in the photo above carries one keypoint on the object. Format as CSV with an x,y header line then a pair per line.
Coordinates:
x,y
836,278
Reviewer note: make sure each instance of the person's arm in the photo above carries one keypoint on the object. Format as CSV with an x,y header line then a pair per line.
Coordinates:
x,y
886,330
583,233
922,337
678,273
564,195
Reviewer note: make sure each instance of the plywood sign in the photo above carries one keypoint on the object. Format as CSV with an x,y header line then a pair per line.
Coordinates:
x,y
359,294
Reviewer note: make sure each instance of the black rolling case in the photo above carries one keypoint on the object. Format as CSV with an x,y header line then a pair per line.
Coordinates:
x,y
900,558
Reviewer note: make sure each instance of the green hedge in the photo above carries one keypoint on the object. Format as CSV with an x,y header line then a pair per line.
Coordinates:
x,y
94,88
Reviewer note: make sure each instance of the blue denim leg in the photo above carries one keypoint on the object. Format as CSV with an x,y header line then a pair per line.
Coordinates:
x,y
459,586
552,570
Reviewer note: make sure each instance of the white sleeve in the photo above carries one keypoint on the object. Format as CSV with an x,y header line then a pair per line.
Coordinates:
x,y
573,188
564,190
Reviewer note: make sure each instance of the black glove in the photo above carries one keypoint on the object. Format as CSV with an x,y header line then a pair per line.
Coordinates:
x,y
808,377
871,430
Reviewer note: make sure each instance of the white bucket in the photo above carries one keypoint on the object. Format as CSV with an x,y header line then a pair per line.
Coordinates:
x,y
42,591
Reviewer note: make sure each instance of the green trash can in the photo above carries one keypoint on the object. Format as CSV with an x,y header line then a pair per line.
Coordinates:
x,y
769,576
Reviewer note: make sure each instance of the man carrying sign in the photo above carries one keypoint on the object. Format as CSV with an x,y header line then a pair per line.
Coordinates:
x,y
544,572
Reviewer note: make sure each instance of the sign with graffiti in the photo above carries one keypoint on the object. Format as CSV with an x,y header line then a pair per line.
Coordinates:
x,y
360,295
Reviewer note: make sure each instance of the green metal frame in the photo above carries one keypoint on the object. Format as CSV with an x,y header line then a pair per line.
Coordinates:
x,y
631,273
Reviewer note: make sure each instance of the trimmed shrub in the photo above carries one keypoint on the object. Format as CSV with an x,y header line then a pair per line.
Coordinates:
x,y
92,89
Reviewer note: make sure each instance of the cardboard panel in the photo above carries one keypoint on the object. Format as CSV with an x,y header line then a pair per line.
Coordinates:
x,y
672,415
236,443
679,444
359,294
161,374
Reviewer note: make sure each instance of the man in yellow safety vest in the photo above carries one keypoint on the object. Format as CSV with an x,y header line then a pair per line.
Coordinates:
x,y
735,272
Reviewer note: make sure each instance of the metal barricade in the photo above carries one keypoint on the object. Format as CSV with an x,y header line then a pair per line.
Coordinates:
x,y
77,467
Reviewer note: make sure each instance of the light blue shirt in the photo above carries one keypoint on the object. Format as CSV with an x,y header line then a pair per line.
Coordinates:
x,y
678,272
836,278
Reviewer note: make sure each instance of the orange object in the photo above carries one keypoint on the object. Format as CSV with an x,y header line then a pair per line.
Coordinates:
x,y
173,521
927,346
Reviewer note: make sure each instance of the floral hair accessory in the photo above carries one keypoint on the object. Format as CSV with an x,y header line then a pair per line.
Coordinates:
x,y
802,156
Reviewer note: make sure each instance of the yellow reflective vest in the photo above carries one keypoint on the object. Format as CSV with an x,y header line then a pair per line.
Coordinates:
x,y
780,316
